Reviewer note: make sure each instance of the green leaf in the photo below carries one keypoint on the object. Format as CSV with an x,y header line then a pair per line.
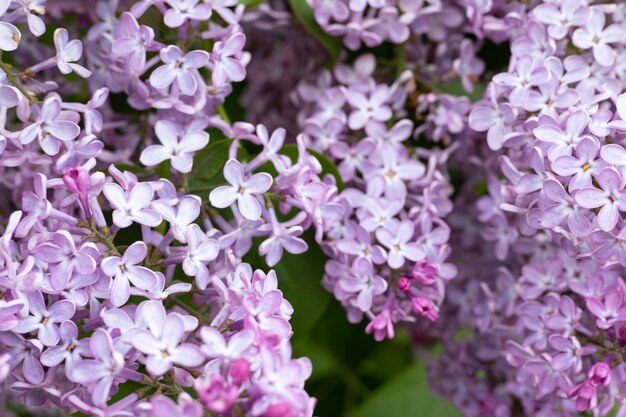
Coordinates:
x,y
300,280
304,13
455,88
251,3
210,161
407,394
328,166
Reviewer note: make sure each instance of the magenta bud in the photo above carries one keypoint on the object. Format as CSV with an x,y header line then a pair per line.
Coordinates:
x,y
240,371
586,396
279,410
622,333
424,273
404,284
77,180
424,307
600,374
216,394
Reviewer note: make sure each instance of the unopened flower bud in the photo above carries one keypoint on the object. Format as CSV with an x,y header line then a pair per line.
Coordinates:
x,y
240,371
77,180
404,284
424,307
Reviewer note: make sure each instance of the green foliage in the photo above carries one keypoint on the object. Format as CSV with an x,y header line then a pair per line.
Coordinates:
x,y
304,13
455,88
406,395
208,164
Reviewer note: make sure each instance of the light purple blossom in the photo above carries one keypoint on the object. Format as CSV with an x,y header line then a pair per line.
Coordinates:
x,y
125,270
242,189
179,69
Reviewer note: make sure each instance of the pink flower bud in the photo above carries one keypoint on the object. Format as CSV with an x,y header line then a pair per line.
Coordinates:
x,y
381,326
586,396
404,284
600,374
622,333
240,371
216,394
279,410
424,273
424,307
77,180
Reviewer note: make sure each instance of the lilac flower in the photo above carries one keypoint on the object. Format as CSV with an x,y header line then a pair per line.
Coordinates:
x,y
358,30
562,142
9,36
179,68
562,207
132,206
200,250
581,167
186,407
327,9
593,35
216,347
363,282
216,393
610,311
570,356
163,343
369,108
242,189
68,52
178,151
101,372
183,10
65,259
33,9
132,40
44,319
225,64
611,199
600,374
360,245
399,244
527,74
124,270
353,158
50,128
395,170
187,210
282,238
467,66
425,307
381,326
586,396
494,122
560,20
26,352
71,350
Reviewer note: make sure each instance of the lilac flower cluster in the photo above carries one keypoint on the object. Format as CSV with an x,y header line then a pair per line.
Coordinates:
x,y
389,248
87,313
543,290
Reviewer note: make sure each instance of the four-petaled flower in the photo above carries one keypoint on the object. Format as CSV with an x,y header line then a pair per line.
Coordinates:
x,y
242,189
125,270
179,68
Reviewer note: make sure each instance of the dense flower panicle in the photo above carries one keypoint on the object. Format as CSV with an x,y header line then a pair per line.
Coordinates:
x,y
83,310
132,200
544,287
